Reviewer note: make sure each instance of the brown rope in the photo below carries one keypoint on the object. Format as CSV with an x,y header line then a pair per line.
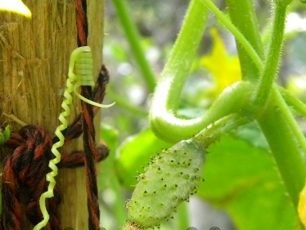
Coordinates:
x,y
88,128
24,170
23,179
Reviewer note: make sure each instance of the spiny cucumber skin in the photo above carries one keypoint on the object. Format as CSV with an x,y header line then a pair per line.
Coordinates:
x,y
170,178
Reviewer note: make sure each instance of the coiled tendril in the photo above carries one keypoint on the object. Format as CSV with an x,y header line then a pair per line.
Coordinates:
x,y
80,73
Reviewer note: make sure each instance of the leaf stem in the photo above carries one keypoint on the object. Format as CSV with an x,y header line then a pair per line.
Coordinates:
x,y
176,71
133,39
213,132
273,59
247,24
290,99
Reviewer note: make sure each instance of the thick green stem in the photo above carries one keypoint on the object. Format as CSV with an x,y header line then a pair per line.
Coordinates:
x,y
176,70
171,128
274,53
133,39
243,15
286,151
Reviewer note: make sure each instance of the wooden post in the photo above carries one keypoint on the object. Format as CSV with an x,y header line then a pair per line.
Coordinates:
x,y
34,59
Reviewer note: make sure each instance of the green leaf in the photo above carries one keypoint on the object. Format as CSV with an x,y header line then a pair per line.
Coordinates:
x,y
135,153
243,180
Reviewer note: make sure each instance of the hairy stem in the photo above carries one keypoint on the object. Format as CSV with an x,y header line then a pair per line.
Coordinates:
x,y
247,24
242,38
176,70
287,153
293,101
274,53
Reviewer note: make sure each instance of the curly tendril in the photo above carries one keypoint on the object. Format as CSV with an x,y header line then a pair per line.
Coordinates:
x,y
80,73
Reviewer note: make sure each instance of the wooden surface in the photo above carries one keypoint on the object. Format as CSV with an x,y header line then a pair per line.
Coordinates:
x,y
34,57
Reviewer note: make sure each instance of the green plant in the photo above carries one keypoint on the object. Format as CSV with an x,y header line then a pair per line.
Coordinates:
x,y
256,98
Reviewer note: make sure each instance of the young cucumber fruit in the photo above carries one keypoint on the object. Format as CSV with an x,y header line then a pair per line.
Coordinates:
x,y
170,178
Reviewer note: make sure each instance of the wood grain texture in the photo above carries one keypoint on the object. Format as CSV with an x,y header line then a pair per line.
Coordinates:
x,y
34,59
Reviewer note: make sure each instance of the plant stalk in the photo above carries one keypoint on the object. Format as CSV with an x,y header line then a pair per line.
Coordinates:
x,y
242,14
134,41
248,55
273,59
286,151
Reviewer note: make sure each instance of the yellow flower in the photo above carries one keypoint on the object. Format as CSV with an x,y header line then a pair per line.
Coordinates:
x,y
225,69
302,206
15,6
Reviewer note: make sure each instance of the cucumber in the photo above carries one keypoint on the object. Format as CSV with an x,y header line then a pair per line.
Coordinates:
x,y
170,178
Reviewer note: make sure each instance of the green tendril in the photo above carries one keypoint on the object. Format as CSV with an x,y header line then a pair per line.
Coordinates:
x,y
80,73
50,177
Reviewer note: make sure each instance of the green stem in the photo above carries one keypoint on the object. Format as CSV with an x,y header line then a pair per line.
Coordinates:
x,y
274,53
212,133
124,103
164,120
290,118
248,26
177,68
280,136
169,127
276,121
134,41
249,49
290,99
